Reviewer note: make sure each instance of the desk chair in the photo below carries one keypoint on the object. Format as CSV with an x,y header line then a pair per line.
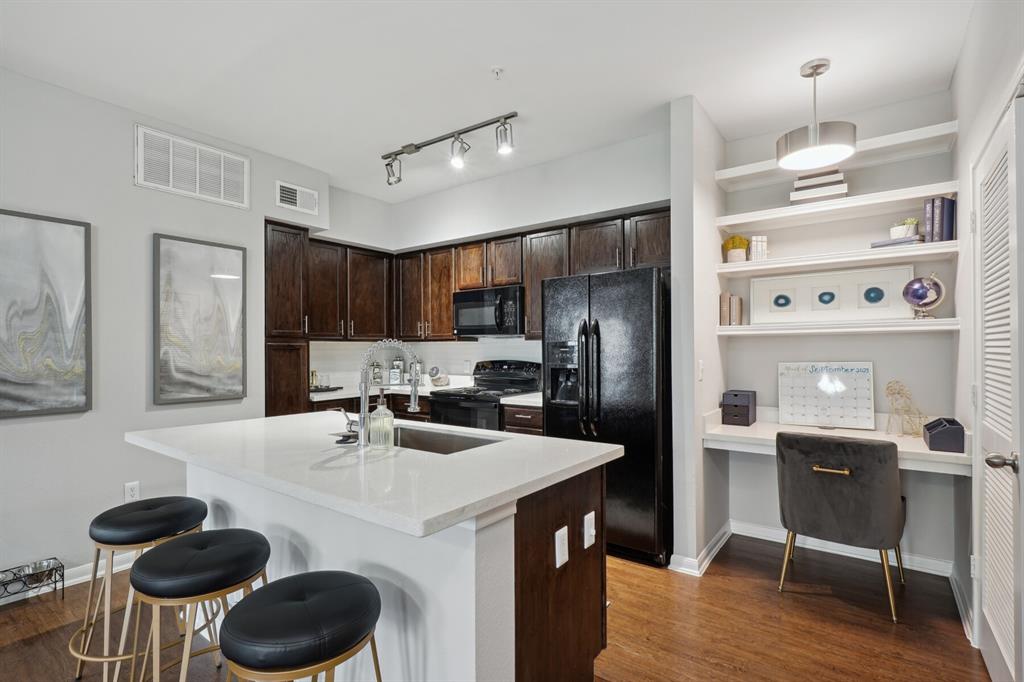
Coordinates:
x,y
843,490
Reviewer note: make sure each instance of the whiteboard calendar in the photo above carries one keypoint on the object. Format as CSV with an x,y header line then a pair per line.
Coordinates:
x,y
829,394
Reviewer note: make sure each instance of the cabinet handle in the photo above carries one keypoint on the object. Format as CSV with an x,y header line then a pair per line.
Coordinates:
x,y
419,329
632,256
523,416
618,257
305,324
426,328
351,327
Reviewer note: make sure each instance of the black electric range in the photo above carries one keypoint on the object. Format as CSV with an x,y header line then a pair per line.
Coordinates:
x,y
479,405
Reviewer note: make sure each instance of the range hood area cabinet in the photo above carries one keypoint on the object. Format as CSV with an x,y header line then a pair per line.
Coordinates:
x,y
494,263
610,245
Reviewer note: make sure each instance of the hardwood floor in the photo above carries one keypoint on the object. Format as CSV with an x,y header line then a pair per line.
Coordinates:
x,y
831,624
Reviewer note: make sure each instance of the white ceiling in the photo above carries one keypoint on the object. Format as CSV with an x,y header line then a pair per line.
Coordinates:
x,y
335,85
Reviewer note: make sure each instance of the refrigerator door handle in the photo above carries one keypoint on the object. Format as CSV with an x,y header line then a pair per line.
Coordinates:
x,y
594,377
581,363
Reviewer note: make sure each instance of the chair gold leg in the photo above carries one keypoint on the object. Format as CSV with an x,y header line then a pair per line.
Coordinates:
x,y
899,565
87,635
190,631
884,556
135,642
124,625
328,675
787,557
211,633
109,584
376,661
156,642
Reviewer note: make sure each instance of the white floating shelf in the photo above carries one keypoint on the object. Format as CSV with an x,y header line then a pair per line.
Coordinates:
x,y
905,253
946,324
906,199
873,151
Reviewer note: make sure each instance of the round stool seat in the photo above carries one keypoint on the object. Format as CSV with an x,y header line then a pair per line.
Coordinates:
x,y
144,521
300,620
200,563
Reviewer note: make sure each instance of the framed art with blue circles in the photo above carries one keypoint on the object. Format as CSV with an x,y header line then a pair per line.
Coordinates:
x,y
841,296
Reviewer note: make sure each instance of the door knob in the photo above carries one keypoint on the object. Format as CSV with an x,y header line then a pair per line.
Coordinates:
x,y
998,462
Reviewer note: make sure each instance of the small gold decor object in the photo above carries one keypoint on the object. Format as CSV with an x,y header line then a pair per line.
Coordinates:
x,y
904,416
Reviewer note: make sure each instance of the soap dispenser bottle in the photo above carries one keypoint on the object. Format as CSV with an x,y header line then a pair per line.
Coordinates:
x,y
382,426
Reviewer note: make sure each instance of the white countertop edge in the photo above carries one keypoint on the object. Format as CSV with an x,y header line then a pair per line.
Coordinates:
x,y
375,515
535,399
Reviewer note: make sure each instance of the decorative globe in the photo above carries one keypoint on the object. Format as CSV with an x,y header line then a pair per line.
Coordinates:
x,y
924,294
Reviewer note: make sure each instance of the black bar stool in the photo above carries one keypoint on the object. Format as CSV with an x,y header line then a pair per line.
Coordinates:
x,y
132,527
191,570
301,626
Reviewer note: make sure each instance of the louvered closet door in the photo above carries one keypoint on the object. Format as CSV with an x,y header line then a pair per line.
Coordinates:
x,y
996,212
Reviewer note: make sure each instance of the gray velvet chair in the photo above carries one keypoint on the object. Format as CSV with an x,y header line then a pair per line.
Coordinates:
x,y
844,490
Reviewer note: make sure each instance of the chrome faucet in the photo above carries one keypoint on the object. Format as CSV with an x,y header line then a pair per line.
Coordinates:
x,y
364,383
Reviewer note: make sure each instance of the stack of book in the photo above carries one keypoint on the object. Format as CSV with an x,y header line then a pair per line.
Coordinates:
x,y
939,219
730,309
829,184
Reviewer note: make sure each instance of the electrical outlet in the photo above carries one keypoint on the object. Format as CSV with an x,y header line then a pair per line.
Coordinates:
x,y
700,370
589,529
131,491
561,546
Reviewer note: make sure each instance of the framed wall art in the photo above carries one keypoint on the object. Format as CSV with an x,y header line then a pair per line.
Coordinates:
x,y
840,296
199,321
828,394
45,315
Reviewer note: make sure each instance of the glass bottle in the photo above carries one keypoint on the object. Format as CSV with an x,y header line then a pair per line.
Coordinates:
x,y
382,426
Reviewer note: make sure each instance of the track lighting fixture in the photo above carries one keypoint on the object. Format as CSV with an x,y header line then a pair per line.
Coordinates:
x,y
394,170
459,149
503,137
459,146
819,144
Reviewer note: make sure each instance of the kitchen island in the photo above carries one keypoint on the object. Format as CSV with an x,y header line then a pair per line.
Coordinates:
x,y
461,545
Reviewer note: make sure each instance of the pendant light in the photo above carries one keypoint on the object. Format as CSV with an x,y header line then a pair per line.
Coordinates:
x,y
820,144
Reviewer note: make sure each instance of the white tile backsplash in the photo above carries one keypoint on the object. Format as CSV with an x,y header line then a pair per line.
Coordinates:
x,y
341,360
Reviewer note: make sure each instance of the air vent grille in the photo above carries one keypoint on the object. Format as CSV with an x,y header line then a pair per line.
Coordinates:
x,y
298,198
173,164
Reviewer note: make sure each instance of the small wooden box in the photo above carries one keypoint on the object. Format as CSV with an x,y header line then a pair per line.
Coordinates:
x,y
739,408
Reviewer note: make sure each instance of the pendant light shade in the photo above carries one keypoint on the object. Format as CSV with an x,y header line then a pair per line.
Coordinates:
x,y
819,144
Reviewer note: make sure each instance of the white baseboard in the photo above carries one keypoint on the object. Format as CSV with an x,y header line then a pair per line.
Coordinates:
x,y
700,564
79,574
916,562
963,605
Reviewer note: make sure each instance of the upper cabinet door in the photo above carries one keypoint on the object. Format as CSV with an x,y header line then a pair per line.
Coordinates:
x,y
409,289
326,291
471,266
648,241
546,254
367,294
597,247
441,285
505,261
285,281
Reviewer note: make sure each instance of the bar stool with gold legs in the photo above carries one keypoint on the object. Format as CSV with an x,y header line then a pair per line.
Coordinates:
x,y
301,626
133,527
190,571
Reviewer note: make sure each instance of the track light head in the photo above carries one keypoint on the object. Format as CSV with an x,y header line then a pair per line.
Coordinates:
x,y
394,170
503,138
458,154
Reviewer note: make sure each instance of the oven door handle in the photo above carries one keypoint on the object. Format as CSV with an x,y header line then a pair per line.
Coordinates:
x,y
581,362
594,378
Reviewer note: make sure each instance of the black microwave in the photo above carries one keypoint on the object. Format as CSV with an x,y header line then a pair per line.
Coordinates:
x,y
489,312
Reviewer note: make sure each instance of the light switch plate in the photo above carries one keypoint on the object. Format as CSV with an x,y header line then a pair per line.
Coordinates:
x,y
589,529
561,546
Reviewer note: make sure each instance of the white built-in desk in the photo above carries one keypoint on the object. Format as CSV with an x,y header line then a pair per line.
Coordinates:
x,y
759,438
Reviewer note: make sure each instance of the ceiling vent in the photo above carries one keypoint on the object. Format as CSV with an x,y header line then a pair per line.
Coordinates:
x,y
298,198
173,164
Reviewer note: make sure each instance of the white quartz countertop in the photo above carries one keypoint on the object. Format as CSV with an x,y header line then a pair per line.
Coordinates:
x,y
525,400
411,491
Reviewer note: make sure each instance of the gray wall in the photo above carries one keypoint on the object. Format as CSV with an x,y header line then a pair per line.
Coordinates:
x,y
70,156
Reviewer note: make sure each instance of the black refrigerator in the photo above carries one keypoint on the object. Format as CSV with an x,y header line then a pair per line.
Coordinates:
x,y
606,378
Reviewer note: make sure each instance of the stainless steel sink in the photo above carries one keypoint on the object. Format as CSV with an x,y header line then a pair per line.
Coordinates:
x,y
439,442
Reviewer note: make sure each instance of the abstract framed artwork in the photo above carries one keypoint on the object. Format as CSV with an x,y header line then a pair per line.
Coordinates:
x,y
839,296
45,315
199,321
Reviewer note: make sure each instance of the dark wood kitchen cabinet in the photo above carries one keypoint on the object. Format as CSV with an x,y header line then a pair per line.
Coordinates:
x,y
505,261
400,406
597,247
409,295
368,307
287,382
471,266
328,281
440,279
648,240
545,254
285,281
